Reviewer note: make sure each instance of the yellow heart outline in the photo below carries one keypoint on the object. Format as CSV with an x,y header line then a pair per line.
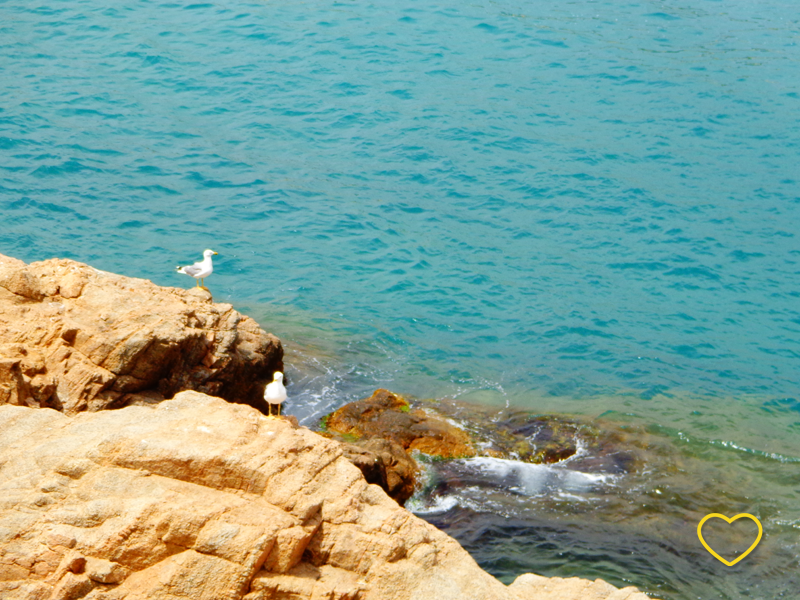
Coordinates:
x,y
729,521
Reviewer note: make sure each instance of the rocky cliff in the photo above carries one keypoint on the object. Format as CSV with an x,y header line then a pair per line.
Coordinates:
x,y
74,338
196,498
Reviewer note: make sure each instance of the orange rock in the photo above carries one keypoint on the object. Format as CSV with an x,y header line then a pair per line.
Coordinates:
x,y
74,338
388,416
383,429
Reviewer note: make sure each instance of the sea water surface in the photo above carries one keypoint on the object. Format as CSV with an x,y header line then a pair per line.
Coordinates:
x,y
580,207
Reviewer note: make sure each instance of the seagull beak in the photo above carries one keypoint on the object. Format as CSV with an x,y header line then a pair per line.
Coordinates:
x,y
216,252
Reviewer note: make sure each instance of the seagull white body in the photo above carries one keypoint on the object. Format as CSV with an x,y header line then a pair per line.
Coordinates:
x,y
275,392
200,270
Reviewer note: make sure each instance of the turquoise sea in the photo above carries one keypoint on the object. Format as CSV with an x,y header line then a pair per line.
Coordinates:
x,y
580,208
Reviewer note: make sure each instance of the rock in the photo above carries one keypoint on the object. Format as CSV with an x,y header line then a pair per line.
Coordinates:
x,y
74,338
384,463
198,498
308,581
105,571
72,587
574,588
388,416
19,282
381,431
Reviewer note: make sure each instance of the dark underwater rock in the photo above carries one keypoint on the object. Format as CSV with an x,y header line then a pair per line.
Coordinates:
x,y
383,432
519,435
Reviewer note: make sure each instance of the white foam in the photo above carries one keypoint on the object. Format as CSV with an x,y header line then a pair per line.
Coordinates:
x,y
439,504
535,479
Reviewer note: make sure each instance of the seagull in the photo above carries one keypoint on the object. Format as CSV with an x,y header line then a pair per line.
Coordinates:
x,y
200,270
275,393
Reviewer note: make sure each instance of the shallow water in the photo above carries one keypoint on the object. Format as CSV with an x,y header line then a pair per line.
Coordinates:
x,y
584,207
626,510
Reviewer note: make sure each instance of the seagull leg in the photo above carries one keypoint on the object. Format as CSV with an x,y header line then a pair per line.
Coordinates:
x,y
198,282
279,410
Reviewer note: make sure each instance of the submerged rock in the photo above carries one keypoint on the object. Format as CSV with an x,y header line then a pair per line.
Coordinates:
x,y
519,435
388,416
383,429
74,338
448,430
198,498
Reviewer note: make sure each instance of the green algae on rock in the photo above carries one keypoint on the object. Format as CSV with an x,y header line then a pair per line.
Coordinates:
x,y
389,416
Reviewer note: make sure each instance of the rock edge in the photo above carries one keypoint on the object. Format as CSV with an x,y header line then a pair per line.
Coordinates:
x,y
74,338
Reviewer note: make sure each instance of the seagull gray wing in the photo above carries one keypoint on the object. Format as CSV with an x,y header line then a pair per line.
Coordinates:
x,y
193,269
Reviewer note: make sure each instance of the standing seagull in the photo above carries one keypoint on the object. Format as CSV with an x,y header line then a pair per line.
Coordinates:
x,y
275,393
200,270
